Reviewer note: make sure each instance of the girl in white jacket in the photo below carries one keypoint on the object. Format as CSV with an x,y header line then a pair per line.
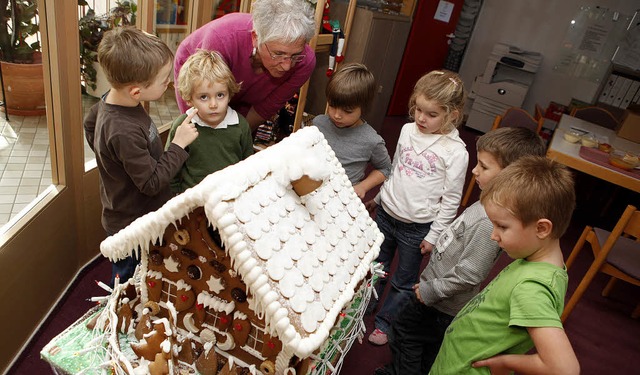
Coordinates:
x,y
422,195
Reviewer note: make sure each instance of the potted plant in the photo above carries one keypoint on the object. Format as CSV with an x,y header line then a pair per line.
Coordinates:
x,y
21,58
92,28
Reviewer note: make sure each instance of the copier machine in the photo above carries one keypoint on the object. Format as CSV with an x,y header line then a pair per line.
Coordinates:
x,y
504,84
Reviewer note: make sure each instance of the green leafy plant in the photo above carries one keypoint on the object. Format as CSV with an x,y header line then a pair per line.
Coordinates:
x,y
19,29
92,27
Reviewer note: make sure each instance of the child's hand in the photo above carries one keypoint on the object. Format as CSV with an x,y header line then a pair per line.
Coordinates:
x,y
416,289
425,247
360,190
371,206
495,364
186,132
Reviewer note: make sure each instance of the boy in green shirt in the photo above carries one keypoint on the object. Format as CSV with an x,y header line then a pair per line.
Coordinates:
x,y
530,205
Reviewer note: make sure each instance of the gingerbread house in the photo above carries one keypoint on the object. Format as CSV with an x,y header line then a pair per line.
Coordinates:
x,y
249,263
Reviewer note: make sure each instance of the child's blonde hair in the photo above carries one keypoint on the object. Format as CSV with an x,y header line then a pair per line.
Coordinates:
x,y
510,144
352,86
445,88
534,188
205,65
131,56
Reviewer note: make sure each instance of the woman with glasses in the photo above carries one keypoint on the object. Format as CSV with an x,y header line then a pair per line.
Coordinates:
x,y
267,51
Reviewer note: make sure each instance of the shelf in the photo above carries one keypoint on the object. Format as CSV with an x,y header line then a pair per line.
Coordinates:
x,y
174,29
324,40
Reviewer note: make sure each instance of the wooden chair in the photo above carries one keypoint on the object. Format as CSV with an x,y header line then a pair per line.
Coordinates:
x,y
539,113
617,253
513,117
596,115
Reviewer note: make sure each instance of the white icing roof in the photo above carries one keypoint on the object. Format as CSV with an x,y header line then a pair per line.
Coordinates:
x,y
301,258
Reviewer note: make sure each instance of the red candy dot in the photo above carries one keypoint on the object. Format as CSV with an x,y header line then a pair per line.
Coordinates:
x,y
184,298
271,345
224,320
238,327
152,284
199,306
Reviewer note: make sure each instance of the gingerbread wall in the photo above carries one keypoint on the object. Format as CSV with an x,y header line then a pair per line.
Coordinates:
x,y
191,261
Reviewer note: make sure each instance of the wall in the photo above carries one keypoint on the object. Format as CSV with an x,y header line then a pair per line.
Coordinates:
x,y
536,26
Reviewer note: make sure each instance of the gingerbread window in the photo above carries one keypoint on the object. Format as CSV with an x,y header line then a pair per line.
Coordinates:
x,y
219,320
255,340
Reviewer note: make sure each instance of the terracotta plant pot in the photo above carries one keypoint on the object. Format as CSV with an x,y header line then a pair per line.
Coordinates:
x,y
23,88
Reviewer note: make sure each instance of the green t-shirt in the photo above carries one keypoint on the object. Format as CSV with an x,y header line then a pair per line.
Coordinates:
x,y
525,294
213,150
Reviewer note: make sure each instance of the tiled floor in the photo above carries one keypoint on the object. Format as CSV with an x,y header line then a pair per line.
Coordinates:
x,y
25,160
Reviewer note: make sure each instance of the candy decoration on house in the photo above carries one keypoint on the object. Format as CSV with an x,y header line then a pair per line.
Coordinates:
x,y
335,55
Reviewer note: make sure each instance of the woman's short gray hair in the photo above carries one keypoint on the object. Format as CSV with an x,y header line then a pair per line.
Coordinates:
x,y
285,21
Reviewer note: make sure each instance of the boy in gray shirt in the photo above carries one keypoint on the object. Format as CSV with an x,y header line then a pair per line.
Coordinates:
x,y
461,259
356,144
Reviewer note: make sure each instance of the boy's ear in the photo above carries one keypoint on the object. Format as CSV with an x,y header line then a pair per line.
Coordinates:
x,y
135,91
543,228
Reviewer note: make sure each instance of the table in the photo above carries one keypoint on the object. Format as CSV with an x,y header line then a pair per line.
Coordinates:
x,y
569,153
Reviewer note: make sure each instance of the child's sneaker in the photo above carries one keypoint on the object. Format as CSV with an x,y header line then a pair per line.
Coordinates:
x,y
382,371
377,337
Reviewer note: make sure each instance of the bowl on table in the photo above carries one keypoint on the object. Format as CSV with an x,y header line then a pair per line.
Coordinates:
x,y
572,136
624,160
589,140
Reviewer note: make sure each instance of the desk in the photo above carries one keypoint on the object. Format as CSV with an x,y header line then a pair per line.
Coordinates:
x,y
568,153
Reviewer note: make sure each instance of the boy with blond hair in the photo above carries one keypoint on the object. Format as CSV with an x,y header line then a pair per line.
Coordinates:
x,y
134,169
530,204
461,259
206,84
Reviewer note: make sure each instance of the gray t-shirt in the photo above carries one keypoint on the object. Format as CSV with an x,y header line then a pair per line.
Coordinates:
x,y
355,148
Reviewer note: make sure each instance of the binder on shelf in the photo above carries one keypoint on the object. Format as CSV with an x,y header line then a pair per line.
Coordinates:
x,y
622,92
614,90
636,98
631,93
608,86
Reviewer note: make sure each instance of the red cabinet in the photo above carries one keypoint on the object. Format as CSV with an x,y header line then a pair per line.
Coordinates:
x,y
426,50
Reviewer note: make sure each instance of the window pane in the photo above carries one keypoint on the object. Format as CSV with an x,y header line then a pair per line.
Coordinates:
x,y
25,160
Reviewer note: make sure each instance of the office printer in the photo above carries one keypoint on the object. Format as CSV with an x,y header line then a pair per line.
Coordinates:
x,y
505,82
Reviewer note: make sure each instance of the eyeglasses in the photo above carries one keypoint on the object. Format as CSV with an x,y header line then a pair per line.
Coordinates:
x,y
280,57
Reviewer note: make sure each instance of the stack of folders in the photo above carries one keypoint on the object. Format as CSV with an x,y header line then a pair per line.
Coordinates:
x,y
620,91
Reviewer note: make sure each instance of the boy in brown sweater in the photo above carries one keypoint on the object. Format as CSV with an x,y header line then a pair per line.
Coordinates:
x,y
134,168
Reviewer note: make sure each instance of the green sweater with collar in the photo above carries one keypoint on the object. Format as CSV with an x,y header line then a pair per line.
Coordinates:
x,y
213,150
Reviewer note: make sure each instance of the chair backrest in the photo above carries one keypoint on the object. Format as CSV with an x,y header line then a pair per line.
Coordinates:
x,y
596,115
628,225
539,112
632,228
518,117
